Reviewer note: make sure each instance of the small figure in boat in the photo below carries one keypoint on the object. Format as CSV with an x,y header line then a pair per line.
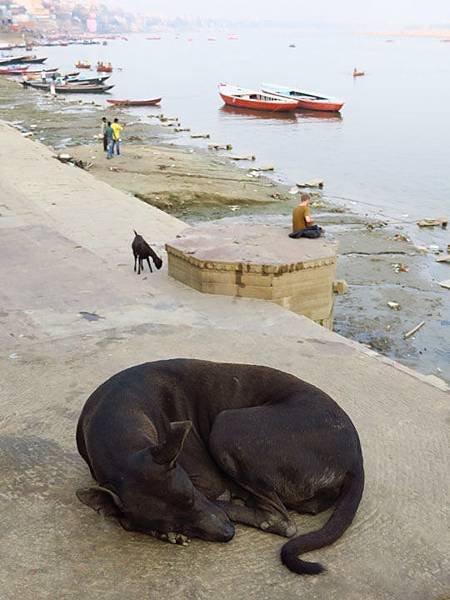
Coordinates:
x,y
357,73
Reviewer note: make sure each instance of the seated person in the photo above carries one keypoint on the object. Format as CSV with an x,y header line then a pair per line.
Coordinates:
x,y
302,223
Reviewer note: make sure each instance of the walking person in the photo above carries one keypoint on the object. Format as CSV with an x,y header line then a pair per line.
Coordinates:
x,y
117,129
109,132
104,125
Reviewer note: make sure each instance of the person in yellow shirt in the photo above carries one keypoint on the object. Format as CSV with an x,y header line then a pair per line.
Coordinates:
x,y
301,215
302,222
117,130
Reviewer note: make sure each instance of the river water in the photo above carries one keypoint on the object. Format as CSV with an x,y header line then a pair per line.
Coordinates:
x,y
389,151
387,154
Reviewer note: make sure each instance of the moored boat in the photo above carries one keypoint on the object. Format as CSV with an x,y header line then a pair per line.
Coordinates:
x,y
305,100
135,102
33,60
13,70
82,65
69,88
104,67
255,100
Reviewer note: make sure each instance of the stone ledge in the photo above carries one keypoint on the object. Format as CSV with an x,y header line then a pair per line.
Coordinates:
x,y
257,261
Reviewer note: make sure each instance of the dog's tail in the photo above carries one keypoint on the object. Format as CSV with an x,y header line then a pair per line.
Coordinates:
x,y
156,260
342,517
135,232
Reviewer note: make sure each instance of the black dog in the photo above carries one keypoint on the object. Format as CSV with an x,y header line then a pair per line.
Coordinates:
x,y
172,443
142,251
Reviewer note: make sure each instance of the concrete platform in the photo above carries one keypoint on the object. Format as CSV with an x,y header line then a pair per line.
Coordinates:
x,y
64,247
258,261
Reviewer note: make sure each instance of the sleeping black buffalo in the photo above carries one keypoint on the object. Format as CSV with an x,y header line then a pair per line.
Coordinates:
x,y
185,448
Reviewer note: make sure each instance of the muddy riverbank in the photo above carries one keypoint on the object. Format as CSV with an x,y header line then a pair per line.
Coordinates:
x,y
380,264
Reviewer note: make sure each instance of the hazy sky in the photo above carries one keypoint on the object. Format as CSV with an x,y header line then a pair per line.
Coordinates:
x,y
352,12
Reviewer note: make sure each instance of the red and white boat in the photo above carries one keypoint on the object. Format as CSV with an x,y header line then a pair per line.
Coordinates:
x,y
13,71
305,100
135,102
256,100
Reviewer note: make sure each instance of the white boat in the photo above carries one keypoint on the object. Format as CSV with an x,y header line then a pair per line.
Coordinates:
x,y
306,100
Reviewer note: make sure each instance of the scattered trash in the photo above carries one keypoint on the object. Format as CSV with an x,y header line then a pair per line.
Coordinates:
x,y
400,268
180,129
312,183
293,190
220,146
248,157
445,284
401,237
422,249
394,305
14,355
434,249
90,316
28,134
234,207
205,136
443,259
443,222
264,168
378,225
64,157
414,330
340,286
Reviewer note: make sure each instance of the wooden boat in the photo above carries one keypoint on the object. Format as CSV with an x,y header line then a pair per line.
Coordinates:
x,y
33,60
306,100
69,88
82,65
11,60
13,70
85,80
256,100
134,102
104,68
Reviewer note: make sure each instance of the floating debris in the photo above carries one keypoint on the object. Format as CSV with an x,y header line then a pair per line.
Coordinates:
x,y
443,222
445,284
180,129
220,146
243,157
205,136
443,259
400,268
264,168
401,237
414,330
394,305
312,183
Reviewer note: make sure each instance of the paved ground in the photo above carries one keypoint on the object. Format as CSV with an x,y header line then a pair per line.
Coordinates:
x,y
64,247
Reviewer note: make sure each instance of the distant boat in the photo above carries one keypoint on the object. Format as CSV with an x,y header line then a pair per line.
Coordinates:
x,y
35,60
305,100
82,64
256,100
69,88
104,68
135,102
154,38
357,73
233,37
13,70
291,45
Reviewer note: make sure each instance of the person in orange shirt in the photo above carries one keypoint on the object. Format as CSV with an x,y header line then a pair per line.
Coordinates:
x,y
302,222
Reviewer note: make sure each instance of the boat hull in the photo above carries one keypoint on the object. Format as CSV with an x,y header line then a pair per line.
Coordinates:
x,y
306,100
134,102
70,89
262,105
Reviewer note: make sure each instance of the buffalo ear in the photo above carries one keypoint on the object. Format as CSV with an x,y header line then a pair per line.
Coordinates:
x,y
166,453
102,500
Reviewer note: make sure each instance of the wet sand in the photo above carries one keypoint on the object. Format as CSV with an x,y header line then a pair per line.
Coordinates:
x,y
204,185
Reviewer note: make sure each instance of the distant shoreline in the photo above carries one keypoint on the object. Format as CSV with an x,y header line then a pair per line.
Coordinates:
x,y
413,33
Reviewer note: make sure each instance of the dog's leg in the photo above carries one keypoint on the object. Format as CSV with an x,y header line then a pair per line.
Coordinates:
x,y
135,262
260,518
139,264
149,265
